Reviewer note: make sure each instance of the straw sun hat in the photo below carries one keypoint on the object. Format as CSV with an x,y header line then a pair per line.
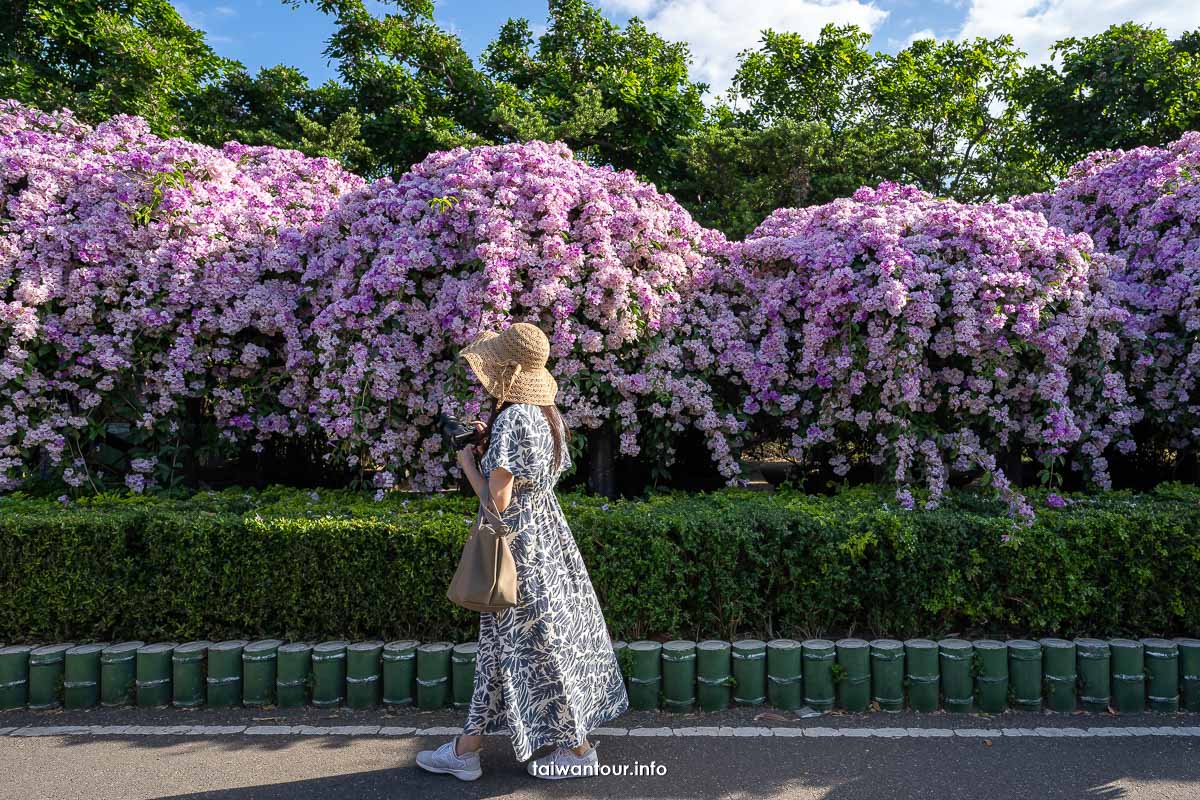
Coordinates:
x,y
512,365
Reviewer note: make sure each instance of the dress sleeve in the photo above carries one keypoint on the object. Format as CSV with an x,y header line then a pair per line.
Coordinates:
x,y
566,457
509,445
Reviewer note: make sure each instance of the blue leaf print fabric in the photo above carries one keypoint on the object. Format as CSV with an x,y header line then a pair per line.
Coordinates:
x,y
545,669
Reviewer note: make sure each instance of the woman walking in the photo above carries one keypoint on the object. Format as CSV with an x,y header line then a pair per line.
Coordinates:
x,y
545,669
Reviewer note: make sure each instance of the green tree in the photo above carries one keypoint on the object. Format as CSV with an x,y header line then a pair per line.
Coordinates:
x,y
732,176
104,57
788,77
940,115
822,92
277,107
621,97
414,87
809,121
1128,86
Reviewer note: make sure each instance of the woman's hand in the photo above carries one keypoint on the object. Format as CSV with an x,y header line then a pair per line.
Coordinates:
x,y
481,427
466,458
468,455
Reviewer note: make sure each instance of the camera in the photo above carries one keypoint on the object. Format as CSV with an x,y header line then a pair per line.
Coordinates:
x,y
458,434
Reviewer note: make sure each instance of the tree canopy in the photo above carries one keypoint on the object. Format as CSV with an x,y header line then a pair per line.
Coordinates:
x,y
804,120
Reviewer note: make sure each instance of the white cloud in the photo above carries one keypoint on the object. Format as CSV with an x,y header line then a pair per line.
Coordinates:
x,y
717,30
1037,24
225,11
924,33
634,7
900,44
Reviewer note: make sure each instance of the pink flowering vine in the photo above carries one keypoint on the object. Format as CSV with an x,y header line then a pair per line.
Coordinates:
x,y
146,280
1144,206
138,274
403,274
930,337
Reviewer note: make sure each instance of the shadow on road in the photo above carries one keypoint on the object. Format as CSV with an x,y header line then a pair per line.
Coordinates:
x,y
832,769
739,768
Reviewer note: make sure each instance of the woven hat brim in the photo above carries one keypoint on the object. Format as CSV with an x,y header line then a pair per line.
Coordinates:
x,y
530,386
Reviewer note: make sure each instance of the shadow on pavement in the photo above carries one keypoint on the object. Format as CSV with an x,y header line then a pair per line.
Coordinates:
x,y
739,768
833,769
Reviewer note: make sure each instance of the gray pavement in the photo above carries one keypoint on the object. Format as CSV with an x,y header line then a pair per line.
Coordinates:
x,y
857,760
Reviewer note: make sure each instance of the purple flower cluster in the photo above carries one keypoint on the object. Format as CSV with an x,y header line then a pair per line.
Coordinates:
x,y
137,273
404,274
140,277
930,336
1144,205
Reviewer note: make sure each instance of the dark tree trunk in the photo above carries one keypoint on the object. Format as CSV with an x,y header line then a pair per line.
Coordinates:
x,y
601,479
1014,468
1187,465
192,433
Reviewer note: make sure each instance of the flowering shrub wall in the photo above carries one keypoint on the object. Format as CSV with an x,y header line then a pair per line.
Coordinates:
x,y
146,282
934,336
405,273
136,273
1144,205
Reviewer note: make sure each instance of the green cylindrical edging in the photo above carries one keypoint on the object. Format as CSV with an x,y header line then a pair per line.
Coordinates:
x,y
293,674
679,675
462,670
118,674
990,658
1162,674
433,674
1059,674
1128,674
1189,673
224,680
620,646
329,672
713,674
188,687
46,667
400,672
854,682
364,667
260,665
749,658
1092,664
14,676
887,674
1025,674
645,674
1123,672
958,687
154,674
817,658
81,675
785,679
922,674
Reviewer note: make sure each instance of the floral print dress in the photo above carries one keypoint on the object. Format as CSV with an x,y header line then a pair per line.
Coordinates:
x,y
545,669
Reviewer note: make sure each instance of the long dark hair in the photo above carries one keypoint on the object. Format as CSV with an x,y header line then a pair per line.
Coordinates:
x,y
559,431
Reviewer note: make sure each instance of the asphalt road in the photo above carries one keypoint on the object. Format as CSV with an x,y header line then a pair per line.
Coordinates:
x,y
241,767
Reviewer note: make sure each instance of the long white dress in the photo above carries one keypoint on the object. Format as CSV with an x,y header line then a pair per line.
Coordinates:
x,y
545,669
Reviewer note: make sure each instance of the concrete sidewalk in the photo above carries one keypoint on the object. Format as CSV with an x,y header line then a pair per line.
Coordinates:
x,y
742,754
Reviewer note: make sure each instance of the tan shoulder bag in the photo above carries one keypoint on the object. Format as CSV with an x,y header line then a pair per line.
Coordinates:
x,y
486,578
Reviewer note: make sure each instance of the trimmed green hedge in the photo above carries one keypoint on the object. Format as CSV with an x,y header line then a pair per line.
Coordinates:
x,y
290,564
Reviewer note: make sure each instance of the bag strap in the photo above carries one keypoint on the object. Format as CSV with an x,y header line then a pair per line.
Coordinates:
x,y
493,512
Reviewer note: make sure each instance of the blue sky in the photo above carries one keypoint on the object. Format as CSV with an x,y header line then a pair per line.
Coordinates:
x,y
266,32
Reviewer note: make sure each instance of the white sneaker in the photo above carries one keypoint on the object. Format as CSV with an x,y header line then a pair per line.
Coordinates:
x,y
563,763
444,760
